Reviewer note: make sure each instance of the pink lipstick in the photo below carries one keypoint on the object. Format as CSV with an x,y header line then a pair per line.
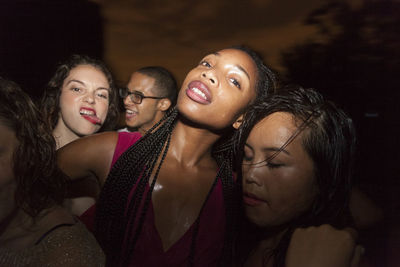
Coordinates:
x,y
199,92
252,200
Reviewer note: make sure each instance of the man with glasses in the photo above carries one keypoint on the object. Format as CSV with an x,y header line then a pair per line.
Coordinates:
x,y
150,93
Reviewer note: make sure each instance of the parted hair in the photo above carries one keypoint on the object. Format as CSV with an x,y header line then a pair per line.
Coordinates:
x,y
115,230
50,101
328,138
40,184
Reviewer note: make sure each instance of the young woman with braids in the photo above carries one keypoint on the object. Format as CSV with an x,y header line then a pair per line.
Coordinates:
x,y
296,173
79,100
35,230
169,198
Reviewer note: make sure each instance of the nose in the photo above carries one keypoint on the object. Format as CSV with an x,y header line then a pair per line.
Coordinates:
x,y
251,175
210,75
127,101
89,97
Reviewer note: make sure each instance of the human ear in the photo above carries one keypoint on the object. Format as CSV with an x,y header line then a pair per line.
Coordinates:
x,y
238,122
164,104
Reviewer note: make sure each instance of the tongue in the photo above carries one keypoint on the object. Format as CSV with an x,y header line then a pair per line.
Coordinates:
x,y
92,118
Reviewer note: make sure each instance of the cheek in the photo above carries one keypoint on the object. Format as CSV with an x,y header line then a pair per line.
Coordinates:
x,y
6,172
102,110
292,198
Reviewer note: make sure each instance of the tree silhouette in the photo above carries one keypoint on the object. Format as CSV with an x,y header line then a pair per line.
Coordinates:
x,y
354,59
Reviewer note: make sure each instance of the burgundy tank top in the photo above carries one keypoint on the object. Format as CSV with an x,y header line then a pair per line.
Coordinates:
x,y
149,250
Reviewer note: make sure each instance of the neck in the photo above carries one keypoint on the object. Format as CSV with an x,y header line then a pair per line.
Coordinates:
x,y
145,128
63,135
190,144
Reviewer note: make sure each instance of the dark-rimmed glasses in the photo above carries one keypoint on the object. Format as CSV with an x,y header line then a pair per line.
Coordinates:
x,y
135,96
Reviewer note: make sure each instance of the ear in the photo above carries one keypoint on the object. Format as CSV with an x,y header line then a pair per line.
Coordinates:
x,y
238,122
164,104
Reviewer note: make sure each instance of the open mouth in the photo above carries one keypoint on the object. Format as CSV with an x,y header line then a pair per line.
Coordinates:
x,y
90,115
198,92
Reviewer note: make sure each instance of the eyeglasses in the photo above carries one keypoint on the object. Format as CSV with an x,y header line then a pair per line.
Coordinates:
x,y
135,96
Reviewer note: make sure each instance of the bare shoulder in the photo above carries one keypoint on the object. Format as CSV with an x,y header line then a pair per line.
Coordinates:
x,y
88,156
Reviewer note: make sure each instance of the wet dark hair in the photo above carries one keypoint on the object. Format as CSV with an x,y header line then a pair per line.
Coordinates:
x,y
115,230
40,184
329,139
165,83
50,102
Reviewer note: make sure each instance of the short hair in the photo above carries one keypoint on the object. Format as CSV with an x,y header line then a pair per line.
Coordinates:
x,y
40,184
165,83
329,139
50,102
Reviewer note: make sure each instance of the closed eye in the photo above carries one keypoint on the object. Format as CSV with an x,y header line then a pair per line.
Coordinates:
x,y
102,95
273,165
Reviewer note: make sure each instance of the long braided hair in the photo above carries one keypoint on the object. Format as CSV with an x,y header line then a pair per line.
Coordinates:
x,y
119,220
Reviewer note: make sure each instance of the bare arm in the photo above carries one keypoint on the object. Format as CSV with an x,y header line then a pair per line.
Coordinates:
x,y
323,246
87,162
366,213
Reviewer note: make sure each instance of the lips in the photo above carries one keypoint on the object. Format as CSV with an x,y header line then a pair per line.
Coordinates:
x,y
252,200
199,92
130,114
89,114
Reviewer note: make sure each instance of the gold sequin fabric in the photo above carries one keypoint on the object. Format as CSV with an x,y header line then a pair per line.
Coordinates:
x,y
65,246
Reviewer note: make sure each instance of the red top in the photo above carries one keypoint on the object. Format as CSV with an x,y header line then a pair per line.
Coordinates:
x,y
149,250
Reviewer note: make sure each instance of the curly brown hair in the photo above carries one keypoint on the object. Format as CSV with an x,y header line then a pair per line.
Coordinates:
x,y
50,102
40,184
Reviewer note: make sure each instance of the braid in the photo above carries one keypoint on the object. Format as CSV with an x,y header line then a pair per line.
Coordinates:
x,y
115,214
224,156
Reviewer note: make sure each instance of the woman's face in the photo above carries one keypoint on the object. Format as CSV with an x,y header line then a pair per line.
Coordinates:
x,y
216,92
84,100
277,191
8,143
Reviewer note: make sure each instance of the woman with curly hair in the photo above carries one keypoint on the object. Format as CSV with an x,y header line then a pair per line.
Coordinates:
x,y
35,230
80,100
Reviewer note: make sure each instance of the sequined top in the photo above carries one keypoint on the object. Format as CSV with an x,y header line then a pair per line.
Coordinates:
x,y
65,246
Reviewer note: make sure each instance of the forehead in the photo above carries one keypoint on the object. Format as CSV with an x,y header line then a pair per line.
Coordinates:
x,y
141,82
239,58
274,130
83,70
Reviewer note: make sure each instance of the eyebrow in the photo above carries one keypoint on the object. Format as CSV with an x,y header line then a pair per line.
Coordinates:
x,y
80,82
77,81
237,66
276,150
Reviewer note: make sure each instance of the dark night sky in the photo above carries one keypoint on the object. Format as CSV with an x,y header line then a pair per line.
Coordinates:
x,y
177,33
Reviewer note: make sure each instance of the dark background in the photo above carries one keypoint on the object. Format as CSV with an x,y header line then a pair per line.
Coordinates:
x,y
349,50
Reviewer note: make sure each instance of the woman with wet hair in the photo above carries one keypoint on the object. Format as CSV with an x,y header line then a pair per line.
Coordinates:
x,y
297,153
169,197
35,230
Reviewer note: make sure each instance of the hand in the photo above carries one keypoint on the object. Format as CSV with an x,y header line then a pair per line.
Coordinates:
x,y
323,246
